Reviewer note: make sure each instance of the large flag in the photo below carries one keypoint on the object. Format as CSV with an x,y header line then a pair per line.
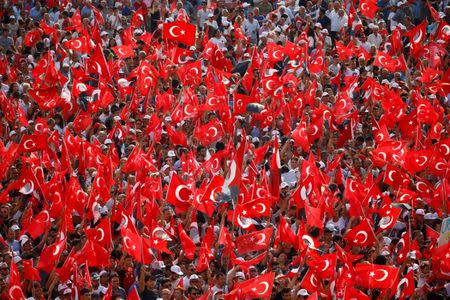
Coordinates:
x,y
180,31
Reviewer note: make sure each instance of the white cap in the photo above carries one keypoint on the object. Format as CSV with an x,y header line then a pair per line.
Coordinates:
x,y
176,269
107,142
420,211
302,292
284,185
240,275
103,33
171,153
15,227
431,216
194,277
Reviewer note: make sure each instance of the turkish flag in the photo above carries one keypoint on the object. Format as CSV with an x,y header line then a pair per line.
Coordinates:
x,y
417,160
179,194
49,257
259,207
245,264
32,37
361,235
285,233
314,216
275,52
209,133
324,265
300,137
234,177
124,51
275,166
33,142
80,44
29,271
207,203
258,287
190,74
102,233
39,224
180,32
368,8
405,286
373,276
187,244
418,34
389,216
311,281
15,284
403,247
132,243
254,241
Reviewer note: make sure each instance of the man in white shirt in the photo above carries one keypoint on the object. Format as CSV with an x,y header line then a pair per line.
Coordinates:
x,y
375,38
202,15
338,19
250,28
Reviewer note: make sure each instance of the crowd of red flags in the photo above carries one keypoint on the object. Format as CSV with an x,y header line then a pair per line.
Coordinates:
x,y
419,146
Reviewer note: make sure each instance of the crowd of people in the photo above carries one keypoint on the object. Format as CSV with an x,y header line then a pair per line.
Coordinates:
x,y
192,149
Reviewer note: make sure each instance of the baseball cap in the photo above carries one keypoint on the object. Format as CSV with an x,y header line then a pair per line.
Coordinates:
x,y
95,276
302,292
176,269
194,277
15,227
420,211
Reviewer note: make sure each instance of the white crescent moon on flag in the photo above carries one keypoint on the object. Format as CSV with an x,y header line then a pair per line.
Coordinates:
x,y
102,234
178,190
172,32
29,144
364,234
27,189
383,277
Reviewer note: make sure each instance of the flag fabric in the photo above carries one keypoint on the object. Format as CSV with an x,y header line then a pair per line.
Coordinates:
x,y
373,276
180,31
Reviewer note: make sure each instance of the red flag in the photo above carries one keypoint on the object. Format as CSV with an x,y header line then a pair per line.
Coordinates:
x,y
361,235
311,281
180,32
373,276
32,37
254,241
314,216
258,287
187,244
368,8
29,271
403,247
124,51
235,170
15,284
33,142
134,295
179,194
49,257
39,224
405,286
389,216
132,243
80,44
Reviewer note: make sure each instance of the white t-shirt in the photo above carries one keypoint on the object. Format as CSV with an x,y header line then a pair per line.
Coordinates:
x,y
250,29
